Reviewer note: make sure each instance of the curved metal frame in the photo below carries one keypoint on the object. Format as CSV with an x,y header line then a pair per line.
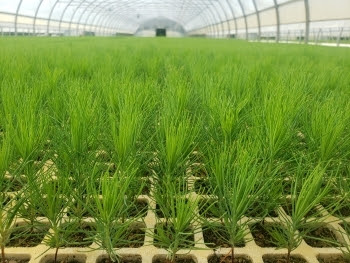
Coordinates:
x,y
104,24
100,13
217,19
210,15
36,16
103,5
210,23
92,10
227,20
180,15
16,15
96,15
307,21
72,17
233,15
278,22
62,15
50,15
213,23
245,18
82,14
215,14
257,12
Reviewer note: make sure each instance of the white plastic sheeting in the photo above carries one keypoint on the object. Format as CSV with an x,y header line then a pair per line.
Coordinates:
x,y
252,19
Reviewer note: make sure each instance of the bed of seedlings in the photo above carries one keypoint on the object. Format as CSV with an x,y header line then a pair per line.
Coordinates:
x,y
173,150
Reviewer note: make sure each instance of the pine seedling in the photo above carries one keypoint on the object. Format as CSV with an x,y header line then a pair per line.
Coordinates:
x,y
344,246
176,215
238,182
53,191
8,205
175,142
109,207
307,192
325,126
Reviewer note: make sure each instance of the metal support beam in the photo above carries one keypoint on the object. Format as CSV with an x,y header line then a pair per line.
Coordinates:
x,y
339,36
307,21
208,24
213,22
258,18
212,13
245,19
227,19
16,16
50,15
72,17
180,16
83,13
63,13
92,24
233,15
93,19
99,14
278,21
36,16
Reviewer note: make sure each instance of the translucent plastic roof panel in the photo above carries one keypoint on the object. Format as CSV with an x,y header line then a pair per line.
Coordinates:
x,y
26,7
248,6
263,4
218,17
9,6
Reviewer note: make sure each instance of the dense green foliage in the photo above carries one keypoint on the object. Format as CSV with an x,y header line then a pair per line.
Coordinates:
x,y
93,112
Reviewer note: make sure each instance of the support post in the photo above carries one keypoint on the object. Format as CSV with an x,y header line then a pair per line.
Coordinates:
x,y
278,21
245,19
16,15
258,18
307,21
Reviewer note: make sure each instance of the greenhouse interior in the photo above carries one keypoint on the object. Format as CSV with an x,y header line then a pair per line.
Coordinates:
x,y
175,131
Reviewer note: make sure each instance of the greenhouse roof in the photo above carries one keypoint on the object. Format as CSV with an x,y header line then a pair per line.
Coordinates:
x,y
245,18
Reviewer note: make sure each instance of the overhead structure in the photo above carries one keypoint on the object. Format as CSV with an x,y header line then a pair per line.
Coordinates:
x,y
271,20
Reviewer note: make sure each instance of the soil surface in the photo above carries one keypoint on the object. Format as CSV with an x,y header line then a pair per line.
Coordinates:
x,y
202,186
73,211
287,187
216,237
123,259
200,173
160,213
29,211
140,207
262,236
333,259
146,187
187,236
208,209
346,227
15,186
16,260
6,200
79,236
27,237
135,238
259,211
177,260
228,259
342,212
312,213
63,261
283,259
323,233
